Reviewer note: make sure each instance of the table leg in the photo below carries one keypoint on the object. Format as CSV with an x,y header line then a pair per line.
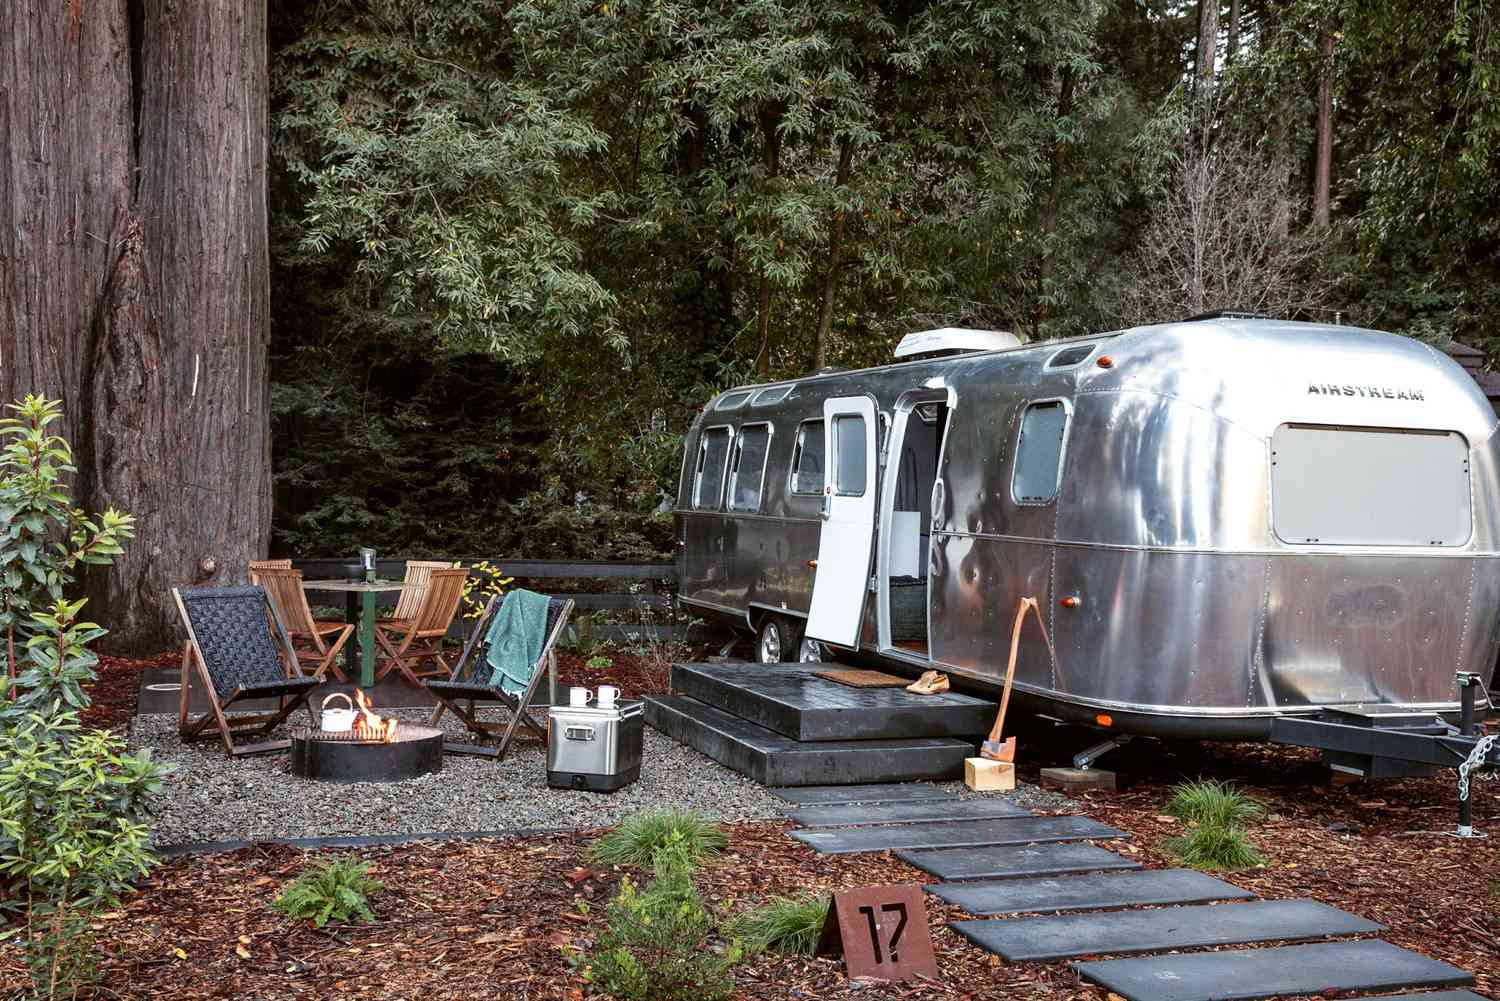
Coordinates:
x,y
367,639
351,614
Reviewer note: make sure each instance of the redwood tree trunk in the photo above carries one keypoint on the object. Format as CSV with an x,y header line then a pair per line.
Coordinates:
x,y
1323,166
153,228
835,259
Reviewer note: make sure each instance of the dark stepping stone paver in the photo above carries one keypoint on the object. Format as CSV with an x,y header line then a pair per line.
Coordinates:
x,y
1436,996
906,813
1009,861
905,792
1116,932
1093,892
1244,974
956,834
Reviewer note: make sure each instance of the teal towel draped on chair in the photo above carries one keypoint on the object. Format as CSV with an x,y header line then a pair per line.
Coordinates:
x,y
515,640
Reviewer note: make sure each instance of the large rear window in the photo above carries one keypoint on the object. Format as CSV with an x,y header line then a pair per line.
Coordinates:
x,y
1369,486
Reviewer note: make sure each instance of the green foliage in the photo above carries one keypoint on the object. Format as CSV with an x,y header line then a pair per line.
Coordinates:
x,y
641,836
1215,848
335,890
785,924
44,538
598,663
656,944
1213,804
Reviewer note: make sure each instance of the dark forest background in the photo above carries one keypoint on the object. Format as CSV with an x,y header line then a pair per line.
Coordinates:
x,y
515,245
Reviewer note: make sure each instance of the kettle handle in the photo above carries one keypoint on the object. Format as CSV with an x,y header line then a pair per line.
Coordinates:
x,y
338,695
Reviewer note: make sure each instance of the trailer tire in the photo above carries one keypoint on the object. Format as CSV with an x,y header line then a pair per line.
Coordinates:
x,y
776,640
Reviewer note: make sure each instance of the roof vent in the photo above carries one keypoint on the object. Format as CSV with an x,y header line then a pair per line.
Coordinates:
x,y
954,340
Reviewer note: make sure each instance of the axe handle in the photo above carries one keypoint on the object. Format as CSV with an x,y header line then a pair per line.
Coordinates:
x,y
1010,667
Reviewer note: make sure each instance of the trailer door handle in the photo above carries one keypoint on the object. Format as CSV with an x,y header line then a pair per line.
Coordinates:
x,y
827,506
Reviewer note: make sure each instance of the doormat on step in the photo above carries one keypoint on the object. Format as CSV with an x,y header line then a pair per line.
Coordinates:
x,y
857,678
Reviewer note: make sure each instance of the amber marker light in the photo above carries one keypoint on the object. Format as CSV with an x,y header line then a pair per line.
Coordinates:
x,y
1105,361
1071,601
1104,719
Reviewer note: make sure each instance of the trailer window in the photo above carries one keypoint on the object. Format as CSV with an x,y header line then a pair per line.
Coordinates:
x,y
807,459
849,455
713,454
1039,453
749,467
1369,486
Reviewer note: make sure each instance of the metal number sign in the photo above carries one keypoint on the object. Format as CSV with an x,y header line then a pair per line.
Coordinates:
x,y
882,932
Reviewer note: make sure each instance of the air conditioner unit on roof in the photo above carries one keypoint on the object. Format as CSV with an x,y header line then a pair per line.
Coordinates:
x,y
950,340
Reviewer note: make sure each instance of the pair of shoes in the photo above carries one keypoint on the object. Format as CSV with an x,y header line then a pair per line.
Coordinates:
x,y
930,683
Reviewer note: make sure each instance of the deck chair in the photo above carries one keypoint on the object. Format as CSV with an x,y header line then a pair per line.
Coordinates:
x,y
455,690
256,566
408,643
316,643
233,636
418,573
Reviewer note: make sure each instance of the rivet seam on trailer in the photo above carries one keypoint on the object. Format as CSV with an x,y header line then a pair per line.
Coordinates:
x,y
1463,634
1257,656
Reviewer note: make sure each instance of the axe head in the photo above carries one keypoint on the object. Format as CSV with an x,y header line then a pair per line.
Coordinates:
x,y
998,750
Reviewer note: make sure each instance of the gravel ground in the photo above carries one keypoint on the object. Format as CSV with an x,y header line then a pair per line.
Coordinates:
x,y
211,797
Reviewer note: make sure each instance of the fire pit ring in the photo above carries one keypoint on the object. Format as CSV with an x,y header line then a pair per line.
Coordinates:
x,y
343,757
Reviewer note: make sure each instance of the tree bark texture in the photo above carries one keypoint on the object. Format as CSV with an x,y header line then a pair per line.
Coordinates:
x,y
138,284
770,121
1323,163
835,258
1232,46
1054,195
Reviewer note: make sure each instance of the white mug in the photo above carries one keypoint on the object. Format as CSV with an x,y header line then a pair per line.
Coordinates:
x,y
579,696
607,696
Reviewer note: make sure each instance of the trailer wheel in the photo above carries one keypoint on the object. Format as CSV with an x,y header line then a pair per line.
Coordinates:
x,y
775,640
810,652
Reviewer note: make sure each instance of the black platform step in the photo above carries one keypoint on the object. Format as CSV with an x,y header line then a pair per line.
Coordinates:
x,y
956,834
1010,861
1119,932
1094,891
1244,974
883,792
790,700
864,814
772,759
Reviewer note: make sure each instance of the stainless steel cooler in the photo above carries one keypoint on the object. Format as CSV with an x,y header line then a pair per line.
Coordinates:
x,y
594,749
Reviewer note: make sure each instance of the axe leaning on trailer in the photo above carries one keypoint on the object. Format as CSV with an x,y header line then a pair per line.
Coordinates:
x,y
993,747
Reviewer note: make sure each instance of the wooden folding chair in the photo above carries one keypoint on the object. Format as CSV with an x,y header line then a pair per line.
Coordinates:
x,y
409,642
256,566
321,641
452,692
418,573
233,636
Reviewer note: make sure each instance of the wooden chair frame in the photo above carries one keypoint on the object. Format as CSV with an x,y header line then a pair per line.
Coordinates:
x,y
455,692
421,637
418,573
295,693
284,588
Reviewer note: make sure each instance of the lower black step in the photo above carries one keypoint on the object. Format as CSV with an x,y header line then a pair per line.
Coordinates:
x,y
771,759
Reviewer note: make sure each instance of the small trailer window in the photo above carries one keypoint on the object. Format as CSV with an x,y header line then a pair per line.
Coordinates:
x,y
1355,486
1039,453
849,455
807,459
708,480
749,467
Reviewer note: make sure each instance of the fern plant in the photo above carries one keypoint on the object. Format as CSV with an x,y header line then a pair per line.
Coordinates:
x,y
337,890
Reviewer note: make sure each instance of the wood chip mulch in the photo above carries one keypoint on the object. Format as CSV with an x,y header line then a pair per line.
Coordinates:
x,y
114,691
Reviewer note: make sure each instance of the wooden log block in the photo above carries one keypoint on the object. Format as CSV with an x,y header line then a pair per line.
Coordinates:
x,y
984,775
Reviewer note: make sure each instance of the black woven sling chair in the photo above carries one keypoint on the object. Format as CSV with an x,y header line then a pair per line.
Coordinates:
x,y
453,692
233,649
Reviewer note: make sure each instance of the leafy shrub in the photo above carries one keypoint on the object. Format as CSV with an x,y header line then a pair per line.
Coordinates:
x,y
785,924
1215,847
337,890
1213,804
656,942
641,836
598,663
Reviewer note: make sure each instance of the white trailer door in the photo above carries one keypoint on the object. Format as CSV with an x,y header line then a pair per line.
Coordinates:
x,y
839,585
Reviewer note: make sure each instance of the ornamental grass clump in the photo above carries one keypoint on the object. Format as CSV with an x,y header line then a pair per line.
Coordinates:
x,y
1216,814
640,837
784,924
337,890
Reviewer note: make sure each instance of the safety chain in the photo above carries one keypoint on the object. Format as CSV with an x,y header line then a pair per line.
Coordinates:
x,y
1474,760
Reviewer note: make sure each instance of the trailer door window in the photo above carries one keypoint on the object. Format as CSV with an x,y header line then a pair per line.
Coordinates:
x,y
713,454
849,455
807,459
749,467
1355,486
1039,453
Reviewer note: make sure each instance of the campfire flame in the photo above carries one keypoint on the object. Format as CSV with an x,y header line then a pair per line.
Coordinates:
x,y
370,726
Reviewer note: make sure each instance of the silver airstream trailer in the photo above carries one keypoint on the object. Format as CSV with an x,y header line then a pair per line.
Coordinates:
x,y
1225,519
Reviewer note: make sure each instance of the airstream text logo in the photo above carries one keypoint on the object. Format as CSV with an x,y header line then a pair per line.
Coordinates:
x,y
1376,392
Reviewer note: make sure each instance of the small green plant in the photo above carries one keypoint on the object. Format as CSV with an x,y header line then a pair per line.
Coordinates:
x,y
599,663
1215,847
656,944
785,924
641,836
1213,804
337,890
